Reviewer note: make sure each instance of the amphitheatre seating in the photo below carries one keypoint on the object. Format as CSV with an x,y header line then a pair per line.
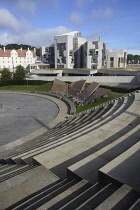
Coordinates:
x,y
77,154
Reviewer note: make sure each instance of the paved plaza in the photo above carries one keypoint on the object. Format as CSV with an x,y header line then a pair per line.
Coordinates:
x,y
23,114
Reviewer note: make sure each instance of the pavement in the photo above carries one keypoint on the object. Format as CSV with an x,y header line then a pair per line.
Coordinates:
x,y
23,114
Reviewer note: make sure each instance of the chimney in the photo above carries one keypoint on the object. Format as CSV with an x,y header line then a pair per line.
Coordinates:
x,y
28,48
21,48
4,49
34,49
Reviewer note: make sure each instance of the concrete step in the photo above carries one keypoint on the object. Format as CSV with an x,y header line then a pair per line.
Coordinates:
x,y
97,193
136,205
83,167
9,169
16,171
90,129
70,153
115,198
10,160
68,195
99,197
60,198
35,146
124,168
19,152
46,197
5,167
31,199
26,184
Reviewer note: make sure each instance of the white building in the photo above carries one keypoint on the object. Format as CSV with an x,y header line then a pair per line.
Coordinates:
x,y
12,58
66,45
117,58
94,54
71,51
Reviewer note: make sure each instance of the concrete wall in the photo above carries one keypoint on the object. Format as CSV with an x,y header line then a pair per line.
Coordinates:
x,y
121,81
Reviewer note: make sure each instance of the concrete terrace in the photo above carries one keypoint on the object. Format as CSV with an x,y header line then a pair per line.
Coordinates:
x,y
88,161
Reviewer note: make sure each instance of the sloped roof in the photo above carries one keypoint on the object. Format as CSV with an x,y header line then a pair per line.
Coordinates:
x,y
21,53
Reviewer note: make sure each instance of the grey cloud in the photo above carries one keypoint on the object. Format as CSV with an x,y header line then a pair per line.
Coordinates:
x,y
36,37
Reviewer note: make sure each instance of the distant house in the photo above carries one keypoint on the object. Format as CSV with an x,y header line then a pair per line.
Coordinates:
x,y
12,58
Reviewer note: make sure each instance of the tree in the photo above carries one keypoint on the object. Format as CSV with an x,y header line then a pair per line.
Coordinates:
x,y
6,74
20,73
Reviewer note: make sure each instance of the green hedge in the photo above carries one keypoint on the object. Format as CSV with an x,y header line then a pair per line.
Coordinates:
x,y
22,82
120,89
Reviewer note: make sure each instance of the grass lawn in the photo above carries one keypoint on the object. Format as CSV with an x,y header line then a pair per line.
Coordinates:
x,y
111,96
41,88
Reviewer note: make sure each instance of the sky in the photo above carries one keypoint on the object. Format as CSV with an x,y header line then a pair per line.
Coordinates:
x,y
36,22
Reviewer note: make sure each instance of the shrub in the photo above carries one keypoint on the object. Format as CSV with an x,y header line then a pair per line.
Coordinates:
x,y
6,74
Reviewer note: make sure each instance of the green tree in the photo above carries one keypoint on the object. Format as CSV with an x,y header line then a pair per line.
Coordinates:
x,y
20,73
6,74
130,57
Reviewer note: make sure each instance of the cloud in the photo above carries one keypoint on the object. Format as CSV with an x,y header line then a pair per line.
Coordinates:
x,y
27,5
9,22
82,3
36,37
30,6
76,18
98,31
102,14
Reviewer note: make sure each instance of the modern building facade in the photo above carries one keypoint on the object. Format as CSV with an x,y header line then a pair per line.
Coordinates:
x,y
67,50
71,51
94,55
12,58
47,55
117,58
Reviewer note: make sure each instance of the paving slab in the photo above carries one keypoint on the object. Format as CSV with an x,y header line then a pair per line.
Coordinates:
x,y
11,196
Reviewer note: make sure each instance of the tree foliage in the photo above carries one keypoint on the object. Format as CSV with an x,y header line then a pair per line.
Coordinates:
x,y
6,74
131,57
20,73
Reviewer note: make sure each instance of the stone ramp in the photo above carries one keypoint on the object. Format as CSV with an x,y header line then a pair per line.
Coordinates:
x,y
100,92
59,86
75,88
88,91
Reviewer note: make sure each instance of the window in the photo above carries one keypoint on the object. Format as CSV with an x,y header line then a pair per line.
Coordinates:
x,y
96,53
111,58
92,60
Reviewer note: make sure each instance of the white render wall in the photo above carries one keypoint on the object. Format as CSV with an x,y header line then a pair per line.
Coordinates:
x,y
68,39
116,54
90,45
13,61
42,52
